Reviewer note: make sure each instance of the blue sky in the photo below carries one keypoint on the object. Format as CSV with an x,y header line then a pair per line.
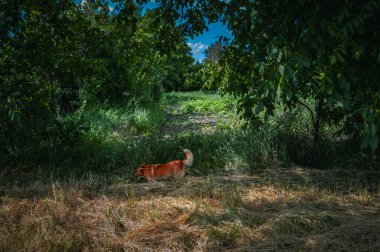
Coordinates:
x,y
199,44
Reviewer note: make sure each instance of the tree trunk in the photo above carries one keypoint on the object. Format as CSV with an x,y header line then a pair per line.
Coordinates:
x,y
317,122
69,100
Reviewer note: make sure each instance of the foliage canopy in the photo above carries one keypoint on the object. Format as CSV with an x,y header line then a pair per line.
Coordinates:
x,y
299,52
59,56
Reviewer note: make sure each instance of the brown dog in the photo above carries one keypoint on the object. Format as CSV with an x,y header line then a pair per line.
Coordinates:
x,y
174,168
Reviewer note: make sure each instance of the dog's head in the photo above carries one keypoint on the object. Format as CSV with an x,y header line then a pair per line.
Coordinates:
x,y
140,171
144,169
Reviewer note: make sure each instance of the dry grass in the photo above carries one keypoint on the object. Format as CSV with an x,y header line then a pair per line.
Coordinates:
x,y
237,213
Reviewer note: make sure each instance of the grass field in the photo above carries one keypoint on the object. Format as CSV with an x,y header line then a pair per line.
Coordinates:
x,y
255,189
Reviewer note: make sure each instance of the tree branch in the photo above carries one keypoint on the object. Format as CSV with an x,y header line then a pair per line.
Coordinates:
x,y
309,109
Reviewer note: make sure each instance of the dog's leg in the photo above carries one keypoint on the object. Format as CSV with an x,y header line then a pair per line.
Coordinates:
x,y
178,182
180,176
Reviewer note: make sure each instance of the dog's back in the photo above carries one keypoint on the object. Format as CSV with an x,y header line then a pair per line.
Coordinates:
x,y
174,168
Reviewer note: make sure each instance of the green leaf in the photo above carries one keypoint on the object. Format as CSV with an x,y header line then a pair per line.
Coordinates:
x,y
281,70
304,61
364,113
365,142
374,142
346,103
279,56
329,86
357,55
289,95
366,128
373,129
340,57
333,60
290,72
280,82
330,101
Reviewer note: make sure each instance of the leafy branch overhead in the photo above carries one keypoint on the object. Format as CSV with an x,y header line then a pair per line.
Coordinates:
x,y
309,51
321,55
60,56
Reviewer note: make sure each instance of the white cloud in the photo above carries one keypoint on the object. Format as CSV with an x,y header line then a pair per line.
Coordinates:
x,y
197,47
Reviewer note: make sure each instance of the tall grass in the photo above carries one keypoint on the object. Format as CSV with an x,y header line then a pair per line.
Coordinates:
x,y
112,142
249,189
217,153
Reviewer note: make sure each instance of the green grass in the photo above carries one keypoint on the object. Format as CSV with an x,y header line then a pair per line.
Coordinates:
x,y
250,189
114,123
112,142
202,102
193,106
175,97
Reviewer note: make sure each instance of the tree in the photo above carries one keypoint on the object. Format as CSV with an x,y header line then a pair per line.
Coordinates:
x,y
58,56
33,73
175,57
194,77
214,52
326,52
299,51
178,65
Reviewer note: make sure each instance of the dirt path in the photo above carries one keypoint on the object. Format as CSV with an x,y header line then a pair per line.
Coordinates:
x,y
177,122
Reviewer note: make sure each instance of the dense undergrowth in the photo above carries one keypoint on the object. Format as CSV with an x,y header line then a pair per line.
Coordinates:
x,y
113,141
251,187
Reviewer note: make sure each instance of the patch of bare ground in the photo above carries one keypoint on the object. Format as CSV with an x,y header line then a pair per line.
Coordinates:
x,y
177,122
214,213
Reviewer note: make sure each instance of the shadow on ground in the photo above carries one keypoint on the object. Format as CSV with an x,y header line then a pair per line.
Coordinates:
x,y
294,210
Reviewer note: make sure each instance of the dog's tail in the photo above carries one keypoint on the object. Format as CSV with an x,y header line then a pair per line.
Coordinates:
x,y
189,158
